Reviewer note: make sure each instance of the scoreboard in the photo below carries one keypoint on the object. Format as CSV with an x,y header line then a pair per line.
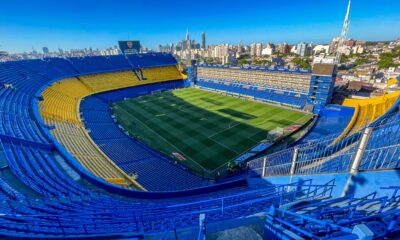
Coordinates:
x,y
129,47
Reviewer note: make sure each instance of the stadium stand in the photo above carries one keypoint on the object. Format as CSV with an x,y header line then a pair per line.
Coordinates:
x,y
366,111
116,80
62,65
268,96
18,84
100,215
278,86
60,109
151,60
45,69
154,171
45,193
333,115
60,100
96,64
77,142
295,81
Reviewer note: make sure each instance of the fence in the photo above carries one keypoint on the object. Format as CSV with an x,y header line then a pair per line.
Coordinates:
x,y
383,149
272,165
311,158
372,148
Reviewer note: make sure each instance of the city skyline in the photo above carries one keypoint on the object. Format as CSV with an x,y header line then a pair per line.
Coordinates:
x,y
64,25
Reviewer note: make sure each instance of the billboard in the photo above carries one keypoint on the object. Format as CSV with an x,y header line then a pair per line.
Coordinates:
x,y
129,47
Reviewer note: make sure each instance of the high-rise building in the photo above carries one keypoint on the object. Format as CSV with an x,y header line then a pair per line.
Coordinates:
x,y
227,59
239,51
203,40
303,49
284,48
188,50
220,51
186,43
168,48
253,50
259,48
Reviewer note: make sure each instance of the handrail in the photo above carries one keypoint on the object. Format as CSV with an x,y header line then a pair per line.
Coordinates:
x,y
317,221
282,191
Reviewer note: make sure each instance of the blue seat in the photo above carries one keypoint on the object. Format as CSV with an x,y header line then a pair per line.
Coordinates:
x,y
155,172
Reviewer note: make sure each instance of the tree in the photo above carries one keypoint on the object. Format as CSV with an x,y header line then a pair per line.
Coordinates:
x,y
345,58
283,55
210,60
361,61
302,62
386,59
396,51
242,62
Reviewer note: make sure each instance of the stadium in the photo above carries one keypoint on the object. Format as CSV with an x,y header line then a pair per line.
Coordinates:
x,y
127,146
138,146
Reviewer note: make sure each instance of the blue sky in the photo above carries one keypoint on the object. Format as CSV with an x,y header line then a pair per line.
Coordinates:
x,y
101,23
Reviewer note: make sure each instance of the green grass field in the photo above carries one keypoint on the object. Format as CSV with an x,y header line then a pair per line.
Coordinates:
x,y
208,129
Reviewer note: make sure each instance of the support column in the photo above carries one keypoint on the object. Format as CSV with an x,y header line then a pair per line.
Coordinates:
x,y
294,160
264,168
202,227
357,158
293,165
360,150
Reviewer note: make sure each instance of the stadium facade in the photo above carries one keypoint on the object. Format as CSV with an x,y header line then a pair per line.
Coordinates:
x,y
293,88
65,161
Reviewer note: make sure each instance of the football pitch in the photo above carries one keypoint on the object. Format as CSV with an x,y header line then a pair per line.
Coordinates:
x,y
201,129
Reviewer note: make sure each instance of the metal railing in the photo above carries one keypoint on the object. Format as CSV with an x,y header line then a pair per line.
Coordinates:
x,y
169,217
271,165
375,147
337,217
311,158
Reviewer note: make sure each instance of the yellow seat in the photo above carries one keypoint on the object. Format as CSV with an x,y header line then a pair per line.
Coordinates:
x,y
123,79
366,112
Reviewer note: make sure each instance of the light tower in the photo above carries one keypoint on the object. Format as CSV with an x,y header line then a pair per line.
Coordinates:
x,y
343,36
203,40
189,66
